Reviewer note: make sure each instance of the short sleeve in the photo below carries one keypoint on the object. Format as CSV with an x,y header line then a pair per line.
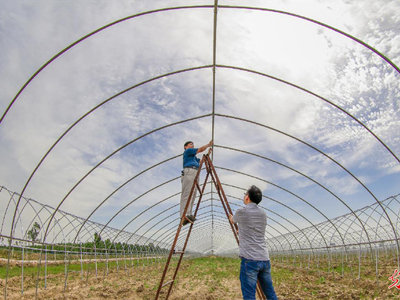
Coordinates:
x,y
238,215
191,151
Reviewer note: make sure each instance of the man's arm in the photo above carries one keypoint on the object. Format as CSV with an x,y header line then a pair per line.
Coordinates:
x,y
202,148
236,217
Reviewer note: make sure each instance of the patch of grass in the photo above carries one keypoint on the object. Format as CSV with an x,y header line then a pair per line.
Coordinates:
x,y
217,267
31,271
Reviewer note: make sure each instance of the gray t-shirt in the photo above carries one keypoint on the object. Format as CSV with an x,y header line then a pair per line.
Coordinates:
x,y
252,221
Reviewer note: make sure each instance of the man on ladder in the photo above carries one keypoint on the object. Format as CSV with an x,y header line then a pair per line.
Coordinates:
x,y
190,167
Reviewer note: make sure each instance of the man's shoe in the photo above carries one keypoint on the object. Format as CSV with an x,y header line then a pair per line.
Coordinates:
x,y
185,221
191,218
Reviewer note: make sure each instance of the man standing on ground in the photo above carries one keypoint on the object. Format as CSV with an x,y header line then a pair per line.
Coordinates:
x,y
190,166
253,250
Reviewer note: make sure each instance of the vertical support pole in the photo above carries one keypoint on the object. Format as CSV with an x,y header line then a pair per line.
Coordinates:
x,y
342,263
95,258
376,265
45,268
359,263
22,269
80,246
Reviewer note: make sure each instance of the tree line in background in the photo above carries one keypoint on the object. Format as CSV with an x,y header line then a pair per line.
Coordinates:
x,y
97,245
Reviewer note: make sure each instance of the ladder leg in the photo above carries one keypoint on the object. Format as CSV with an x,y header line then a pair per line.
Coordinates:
x,y
171,283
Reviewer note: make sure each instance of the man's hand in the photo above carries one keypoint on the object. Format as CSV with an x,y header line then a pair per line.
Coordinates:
x,y
231,218
202,148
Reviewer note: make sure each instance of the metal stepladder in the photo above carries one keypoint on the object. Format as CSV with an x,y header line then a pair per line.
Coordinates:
x,y
206,161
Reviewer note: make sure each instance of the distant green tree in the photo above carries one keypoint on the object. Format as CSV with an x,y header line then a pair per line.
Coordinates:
x,y
97,239
34,232
108,244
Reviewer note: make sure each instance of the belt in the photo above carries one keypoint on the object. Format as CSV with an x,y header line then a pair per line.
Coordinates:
x,y
193,167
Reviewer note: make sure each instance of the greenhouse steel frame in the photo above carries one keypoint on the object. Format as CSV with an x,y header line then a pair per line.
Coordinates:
x,y
366,232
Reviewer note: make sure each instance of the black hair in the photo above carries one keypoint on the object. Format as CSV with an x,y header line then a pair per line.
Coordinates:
x,y
255,194
187,143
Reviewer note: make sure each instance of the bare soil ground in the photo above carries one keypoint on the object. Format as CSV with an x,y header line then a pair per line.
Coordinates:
x,y
201,279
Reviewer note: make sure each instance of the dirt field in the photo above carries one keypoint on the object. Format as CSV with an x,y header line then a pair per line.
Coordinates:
x,y
201,279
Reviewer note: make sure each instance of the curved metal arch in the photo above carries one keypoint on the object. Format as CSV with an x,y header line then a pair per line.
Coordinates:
x,y
171,230
86,37
120,187
155,206
128,204
344,111
360,212
219,217
356,215
119,149
290,14
280,224
312,147
381,215
73,226
89,230
288,231
221,221
318,23
26,204
276,201
387,203
398,214
346,217
8,204
371,217
149,220
214,65
325,227
19,214
300,173
203,221
64,215
203,232
36,212
162,212
200,228
317,96
204,248
279,201
163,228
342,219
116,151
11,199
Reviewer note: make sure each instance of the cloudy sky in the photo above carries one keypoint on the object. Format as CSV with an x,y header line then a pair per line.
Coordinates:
x,y
308,114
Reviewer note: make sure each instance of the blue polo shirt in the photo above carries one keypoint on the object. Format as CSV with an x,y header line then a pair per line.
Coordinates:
x,y
190,159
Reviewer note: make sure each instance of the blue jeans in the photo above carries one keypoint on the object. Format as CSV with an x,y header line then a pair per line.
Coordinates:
x,y
250,271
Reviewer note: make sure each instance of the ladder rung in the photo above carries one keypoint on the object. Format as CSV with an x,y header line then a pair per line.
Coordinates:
x,y
198,188
179,252
169,282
